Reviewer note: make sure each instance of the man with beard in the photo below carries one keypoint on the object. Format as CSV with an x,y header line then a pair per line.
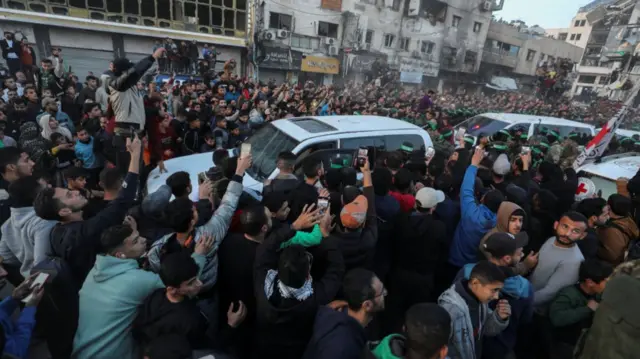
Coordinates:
x,y
14,164
597,212
559,259
11,84
49,75
50,106
505,250
11,51
339,328
75,240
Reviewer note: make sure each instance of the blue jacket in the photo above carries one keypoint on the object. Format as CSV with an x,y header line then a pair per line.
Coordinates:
x,y
17,335
231,96
519,293
475,221
85,153
109,301
335,335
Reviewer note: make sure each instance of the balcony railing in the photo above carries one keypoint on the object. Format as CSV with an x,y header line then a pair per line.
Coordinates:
x,y
497,57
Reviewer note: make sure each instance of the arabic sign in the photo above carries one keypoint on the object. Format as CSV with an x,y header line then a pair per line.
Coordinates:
x,y
283,59
323,65
411,77
427,68
361,63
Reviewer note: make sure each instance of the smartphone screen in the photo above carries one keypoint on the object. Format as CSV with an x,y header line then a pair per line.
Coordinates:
x,y
361,158
430,152
41,278
245,149
461,132
323,204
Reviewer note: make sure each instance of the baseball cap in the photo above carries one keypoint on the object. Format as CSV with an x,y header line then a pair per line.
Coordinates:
x,y
502,166
354,214
428,198
501,244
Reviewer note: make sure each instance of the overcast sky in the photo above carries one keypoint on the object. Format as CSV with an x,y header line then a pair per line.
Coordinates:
x,y
546,13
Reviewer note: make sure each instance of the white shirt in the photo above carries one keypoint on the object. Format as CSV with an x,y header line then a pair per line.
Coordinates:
x,y
5,94
11,55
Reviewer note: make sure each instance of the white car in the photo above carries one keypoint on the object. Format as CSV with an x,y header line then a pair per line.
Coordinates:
x,y
605,172
325,137
490,123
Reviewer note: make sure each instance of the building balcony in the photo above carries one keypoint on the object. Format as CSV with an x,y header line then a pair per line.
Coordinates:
x,y
595,70
501,58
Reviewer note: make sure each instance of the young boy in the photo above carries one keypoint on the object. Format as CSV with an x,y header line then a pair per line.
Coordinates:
x,y
192,139
209,144
91,161
471,319
573,307
76,178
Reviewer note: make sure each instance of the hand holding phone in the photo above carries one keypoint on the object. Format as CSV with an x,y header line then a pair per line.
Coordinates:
x,y
245,149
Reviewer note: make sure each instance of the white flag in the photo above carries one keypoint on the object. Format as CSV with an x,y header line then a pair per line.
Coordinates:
x,y
596,147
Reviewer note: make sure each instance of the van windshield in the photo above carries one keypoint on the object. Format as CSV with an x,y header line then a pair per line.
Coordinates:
x,y
266,144
484,125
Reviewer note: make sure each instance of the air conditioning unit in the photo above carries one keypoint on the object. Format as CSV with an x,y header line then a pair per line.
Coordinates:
x,y
329,41
283,34
487,5
333,50
269,35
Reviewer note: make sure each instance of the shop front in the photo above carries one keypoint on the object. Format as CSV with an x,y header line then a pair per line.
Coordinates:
x,y
279,64
319,69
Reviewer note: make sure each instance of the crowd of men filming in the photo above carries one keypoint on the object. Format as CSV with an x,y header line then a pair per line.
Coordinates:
x,y
474,251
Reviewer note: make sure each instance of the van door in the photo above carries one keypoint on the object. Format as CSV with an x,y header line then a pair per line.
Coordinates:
x,y
525,127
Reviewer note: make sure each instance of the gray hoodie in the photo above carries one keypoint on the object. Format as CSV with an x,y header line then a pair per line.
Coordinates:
x,y
462,344
25,239
217,226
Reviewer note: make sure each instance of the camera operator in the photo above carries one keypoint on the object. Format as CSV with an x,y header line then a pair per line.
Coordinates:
x,y
128,103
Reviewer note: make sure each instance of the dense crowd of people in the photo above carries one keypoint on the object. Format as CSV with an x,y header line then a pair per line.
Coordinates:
x,y
480,250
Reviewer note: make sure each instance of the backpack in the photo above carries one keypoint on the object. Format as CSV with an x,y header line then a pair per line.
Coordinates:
x,y
633,251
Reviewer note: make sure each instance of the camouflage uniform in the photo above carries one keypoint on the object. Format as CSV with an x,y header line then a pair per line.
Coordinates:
x,y
570,151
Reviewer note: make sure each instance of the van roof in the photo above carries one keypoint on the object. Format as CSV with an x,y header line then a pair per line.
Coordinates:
x,y
302,128
514,118
615,166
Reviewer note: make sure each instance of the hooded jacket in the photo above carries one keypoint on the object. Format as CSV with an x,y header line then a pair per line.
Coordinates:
x,y
519,293
392,346
336,335
459,303
25,239
614,239
217,226
476,220
109,301
505,211
17,334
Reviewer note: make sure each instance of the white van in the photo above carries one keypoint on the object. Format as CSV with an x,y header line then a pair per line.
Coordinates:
x,y
607,170
325,137
490,123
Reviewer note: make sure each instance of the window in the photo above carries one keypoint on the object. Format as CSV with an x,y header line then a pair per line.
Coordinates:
x,y
531,54
368,39
304,42
578,36
279,21
396,5
404,44
426,47
586,79
372,2
477,26
266,143
562,131
573,36
355,143
577,23
562,36
455,22
583,22
389,40
327,29
593,51
603,80
394,143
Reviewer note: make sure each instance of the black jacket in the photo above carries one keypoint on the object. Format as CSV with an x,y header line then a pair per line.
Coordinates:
x,y
159,317
87,93
358,247
335,335
284,185
6,50
79,242
303,194
283,331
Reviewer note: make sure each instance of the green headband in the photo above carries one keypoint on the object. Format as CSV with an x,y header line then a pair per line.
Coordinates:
x,y
500,147
572,135
468,140
545,145
447,134
524,136
336,165
406,148
553,133
505,132
536,150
